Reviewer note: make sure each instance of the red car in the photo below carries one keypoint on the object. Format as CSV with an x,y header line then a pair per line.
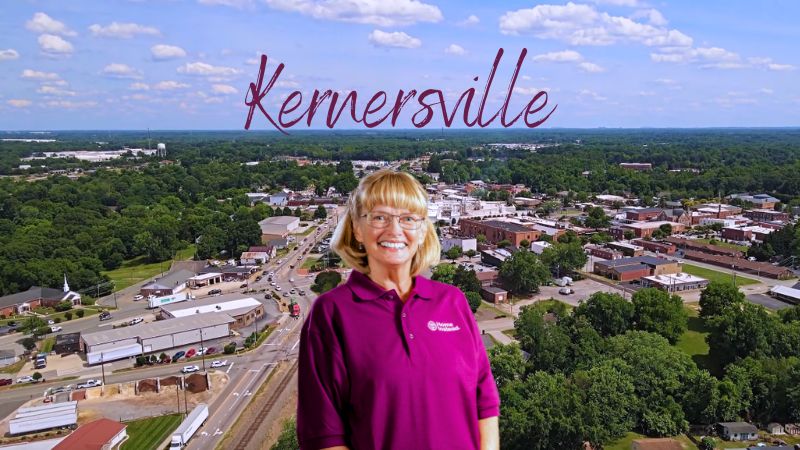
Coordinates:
x,y
5,381
190,353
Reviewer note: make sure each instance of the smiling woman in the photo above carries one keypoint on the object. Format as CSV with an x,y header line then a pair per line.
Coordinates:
x,y
391,359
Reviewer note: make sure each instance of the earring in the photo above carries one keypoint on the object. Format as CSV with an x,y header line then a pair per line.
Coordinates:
x,y
361,246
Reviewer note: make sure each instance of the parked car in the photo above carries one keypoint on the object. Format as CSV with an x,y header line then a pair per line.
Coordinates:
x,y
55,329
5,381
190,369
51,322
201,351
301,292
191,353
272,283
244,285
292,291
25,379
291,280
211,350
58,390
136,320
89,384
285,294
138,297
277,288
215,292
219,363
105,315
565,291
178,356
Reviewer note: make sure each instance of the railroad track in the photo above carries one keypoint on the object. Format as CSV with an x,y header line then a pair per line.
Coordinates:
x,y
258,420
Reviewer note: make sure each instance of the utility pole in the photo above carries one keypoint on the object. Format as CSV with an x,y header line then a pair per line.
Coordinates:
x,y
204,350
103,367
185,403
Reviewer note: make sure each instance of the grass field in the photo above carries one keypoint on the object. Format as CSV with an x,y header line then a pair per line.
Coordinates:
x,y
693,343
715,275
309,263
13,368
718,243
627,440
147,434
135,270
47,345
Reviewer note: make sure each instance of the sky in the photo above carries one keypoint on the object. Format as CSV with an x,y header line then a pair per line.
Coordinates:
x,y
187,64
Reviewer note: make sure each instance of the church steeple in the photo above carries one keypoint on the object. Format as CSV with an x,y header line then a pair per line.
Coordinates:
x,y
66,286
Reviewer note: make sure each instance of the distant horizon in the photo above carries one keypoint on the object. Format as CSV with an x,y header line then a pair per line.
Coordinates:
x,y
398,130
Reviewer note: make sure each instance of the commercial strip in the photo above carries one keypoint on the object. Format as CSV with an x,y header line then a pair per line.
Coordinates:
x,y
244,311
674,282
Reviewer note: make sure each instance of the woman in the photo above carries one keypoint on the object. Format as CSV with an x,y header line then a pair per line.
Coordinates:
x,y
390,359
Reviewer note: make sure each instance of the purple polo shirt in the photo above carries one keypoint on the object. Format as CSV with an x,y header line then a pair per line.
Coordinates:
x,y
377,373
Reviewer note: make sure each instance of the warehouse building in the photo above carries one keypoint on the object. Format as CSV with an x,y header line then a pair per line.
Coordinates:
x,y
170,284
278,227
244,310
109,345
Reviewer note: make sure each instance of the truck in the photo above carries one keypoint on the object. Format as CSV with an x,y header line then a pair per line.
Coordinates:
x,y
40,418
294,310
157,302
563,281
189,427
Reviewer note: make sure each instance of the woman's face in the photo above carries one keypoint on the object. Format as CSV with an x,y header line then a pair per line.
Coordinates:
x,y
393,246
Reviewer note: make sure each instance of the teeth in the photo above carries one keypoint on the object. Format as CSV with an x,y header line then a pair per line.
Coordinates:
x,y
393,244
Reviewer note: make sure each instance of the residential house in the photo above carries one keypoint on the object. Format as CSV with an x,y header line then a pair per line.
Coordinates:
x,y
737,431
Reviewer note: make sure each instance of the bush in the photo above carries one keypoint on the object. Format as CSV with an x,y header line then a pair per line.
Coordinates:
x,y
141,360
65,305
57,320
68,315
474,300
230,348
37,376
163,357
88,301
80,313
41,331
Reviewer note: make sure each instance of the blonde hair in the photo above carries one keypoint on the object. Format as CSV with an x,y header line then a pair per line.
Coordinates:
x,y
396,190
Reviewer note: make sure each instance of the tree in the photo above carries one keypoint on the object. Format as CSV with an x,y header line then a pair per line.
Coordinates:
x,y
507,362
80,313
454,252
707,443
523,272
474,300
597,218
628,235
666,229
36,376
504,243
320,213
444,273
609,314
466,279
717,297
288,437
742,331
481,238
524,243
28,343
563,258
659,312
607,403
470,253
297,212
325,281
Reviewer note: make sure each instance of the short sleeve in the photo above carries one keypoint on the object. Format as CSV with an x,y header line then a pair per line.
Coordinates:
x,y
488,396
322,383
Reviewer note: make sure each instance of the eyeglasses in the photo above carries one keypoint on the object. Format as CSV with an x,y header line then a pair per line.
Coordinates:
x,y
383,220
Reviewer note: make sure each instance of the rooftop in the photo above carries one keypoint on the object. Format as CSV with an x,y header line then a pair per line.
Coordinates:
x,y
279,220
171,279
232,304
92,436
157,328
675,278
508,226
649,260
34,293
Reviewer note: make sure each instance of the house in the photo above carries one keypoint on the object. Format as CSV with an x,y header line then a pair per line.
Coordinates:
x,y
279,199
170,284
792,429
100,434
36,297
494,294
656,444
737,431
640,167
268,249
775,428
252,258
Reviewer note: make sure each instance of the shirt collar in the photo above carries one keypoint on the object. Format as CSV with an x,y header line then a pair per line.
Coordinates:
x,y
366,289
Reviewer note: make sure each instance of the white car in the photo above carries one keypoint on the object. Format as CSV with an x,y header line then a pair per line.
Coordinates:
x,y
219,363
138,297
51,322
277,288
136,320
190,369
25,379
89,384
201,351
272,283
291,280
55,329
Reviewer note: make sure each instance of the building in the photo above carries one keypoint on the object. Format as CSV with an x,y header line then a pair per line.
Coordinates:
x,y
205,279
268,249
628,269
626,248
763,201
494,294
253,258
67,343
539,246
100,434
740,264
637,166
278,227
792,429
244,310
664,248
678,282
775,428
646,229
656,444
496,231
745,233
718,210
170,284
688,244
494,258
35,297
642,214
602,252
229,272
767,215
279,199
737,431
786,293
466,244
120,343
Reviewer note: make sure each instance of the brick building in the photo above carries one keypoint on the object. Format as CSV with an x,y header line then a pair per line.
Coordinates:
x,y
628,269
498,230
665,248
767,215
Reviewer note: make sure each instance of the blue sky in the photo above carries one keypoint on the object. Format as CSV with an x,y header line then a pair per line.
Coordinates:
x,y
186,64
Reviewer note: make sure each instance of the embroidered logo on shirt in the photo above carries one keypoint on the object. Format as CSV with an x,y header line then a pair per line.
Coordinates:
x,y
442,326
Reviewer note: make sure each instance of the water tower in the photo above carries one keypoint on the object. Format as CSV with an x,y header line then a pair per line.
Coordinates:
x,y
162,149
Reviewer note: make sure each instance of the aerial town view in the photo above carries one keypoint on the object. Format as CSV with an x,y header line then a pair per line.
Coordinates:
x,y
627,244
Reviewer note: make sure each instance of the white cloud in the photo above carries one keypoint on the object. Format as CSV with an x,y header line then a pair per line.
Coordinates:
x,y
766,91
381,13
8,54
591,67
562,56
780,67
396,39
455,49
122,30
652,15
205,69
42,23
169,85
591,94
287,84
529,90
232,3
54,45
163,52
708,57
139,87
469,21
118,70
580,24
630,3
68,104
19,103
223,89
52,90
29,74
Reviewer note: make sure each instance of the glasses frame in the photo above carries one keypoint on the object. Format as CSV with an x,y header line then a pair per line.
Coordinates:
x,y
417,220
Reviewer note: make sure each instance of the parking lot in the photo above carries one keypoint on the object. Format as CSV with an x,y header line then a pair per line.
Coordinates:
x,y
582,290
